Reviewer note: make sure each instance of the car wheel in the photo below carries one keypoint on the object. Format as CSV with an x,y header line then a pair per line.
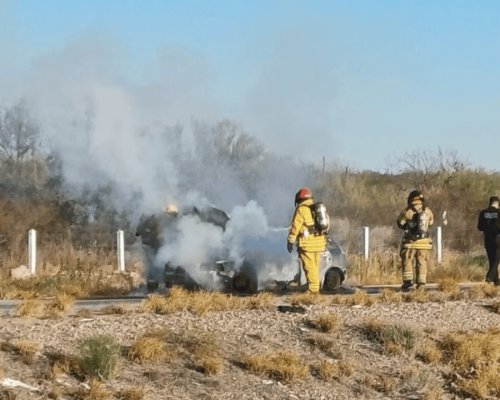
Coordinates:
x,y
333,279
245,281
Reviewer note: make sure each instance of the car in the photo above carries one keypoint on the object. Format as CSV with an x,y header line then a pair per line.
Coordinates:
x,y
264,264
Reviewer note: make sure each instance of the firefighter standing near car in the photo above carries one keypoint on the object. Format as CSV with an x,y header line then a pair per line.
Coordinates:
x,y
309,240
416,245
488,222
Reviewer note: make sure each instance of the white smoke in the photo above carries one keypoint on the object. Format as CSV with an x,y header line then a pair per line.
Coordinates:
x,y
157,141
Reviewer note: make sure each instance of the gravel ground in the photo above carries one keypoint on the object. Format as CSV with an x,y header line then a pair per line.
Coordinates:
x,y
250,332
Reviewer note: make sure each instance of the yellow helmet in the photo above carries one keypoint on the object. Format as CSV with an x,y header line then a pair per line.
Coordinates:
x,y
170,208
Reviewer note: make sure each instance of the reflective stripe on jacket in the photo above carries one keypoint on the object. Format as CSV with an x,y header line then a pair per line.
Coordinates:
x,y
302,229
409,241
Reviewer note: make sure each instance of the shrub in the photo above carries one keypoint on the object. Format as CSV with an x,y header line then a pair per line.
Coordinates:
x,y
99,356
326,322
283,366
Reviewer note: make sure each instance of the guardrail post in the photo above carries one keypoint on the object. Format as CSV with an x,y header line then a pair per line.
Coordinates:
x,y
439,244
32,251
366,242
120,250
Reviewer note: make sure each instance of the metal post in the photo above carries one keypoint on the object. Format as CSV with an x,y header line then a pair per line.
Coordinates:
x,y
120,250
439,245
366,242
32,251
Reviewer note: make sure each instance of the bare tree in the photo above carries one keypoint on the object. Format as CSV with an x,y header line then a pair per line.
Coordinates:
x,y
18,133
425,166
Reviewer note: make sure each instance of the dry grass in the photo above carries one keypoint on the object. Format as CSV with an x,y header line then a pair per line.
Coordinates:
x,y
415,381
114,310
96,391
394,338
390,296
132,393
361,297
64,364
327,345
429,352
307,298
484,291
476,360
209,364
150,348
495,307
382,267
198,303
328,370
326,322
30,308
283,366
418,296
262,301
59,305
27,349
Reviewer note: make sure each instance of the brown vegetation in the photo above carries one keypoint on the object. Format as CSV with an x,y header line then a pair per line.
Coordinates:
x,y
284,366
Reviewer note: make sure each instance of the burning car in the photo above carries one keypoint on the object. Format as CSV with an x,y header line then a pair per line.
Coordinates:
x,y
243,261
263,264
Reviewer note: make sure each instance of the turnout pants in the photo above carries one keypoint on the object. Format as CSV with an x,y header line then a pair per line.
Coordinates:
x,y
492,275
310,263
417,258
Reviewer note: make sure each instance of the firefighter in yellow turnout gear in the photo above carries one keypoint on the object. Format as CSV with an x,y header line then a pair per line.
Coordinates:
x,y
309,243
415,220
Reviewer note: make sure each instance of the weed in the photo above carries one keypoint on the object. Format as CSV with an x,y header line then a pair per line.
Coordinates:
x,y
96,391
148,349
98,356
132,393
483,291
326,322
27,349
361,297
390,296
429,352
283,366
395,339
30,308
476,360
328,370
113,310
306,298
495,307
327,345
209,364
263,301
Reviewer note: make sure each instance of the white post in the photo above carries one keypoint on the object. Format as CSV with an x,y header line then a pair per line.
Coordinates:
x,y
366,242
120,250
439,244
32,251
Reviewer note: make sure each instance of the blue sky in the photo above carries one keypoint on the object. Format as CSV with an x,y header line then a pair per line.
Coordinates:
x,y
358,81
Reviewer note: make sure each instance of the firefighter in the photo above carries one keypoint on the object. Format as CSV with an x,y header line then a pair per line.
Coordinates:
x,y
488,222
152,231
416,244
309,242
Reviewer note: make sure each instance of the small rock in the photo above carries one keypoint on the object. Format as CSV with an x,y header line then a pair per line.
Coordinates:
x,y
21,272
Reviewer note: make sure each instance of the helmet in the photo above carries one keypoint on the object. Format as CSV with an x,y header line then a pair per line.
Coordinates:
x,y
415,196
303,194
170,208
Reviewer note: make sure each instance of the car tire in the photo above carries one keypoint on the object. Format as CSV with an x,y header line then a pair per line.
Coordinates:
x,y
245,280
333,279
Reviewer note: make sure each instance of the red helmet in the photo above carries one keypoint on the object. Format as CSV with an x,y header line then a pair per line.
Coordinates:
x,y
303,194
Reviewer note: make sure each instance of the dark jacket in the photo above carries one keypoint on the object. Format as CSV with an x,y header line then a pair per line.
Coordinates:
x,y
488,221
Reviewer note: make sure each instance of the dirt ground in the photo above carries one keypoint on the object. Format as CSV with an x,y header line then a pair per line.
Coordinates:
x,y
369,372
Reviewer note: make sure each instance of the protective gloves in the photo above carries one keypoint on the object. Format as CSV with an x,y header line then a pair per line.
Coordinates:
x,y
289,246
